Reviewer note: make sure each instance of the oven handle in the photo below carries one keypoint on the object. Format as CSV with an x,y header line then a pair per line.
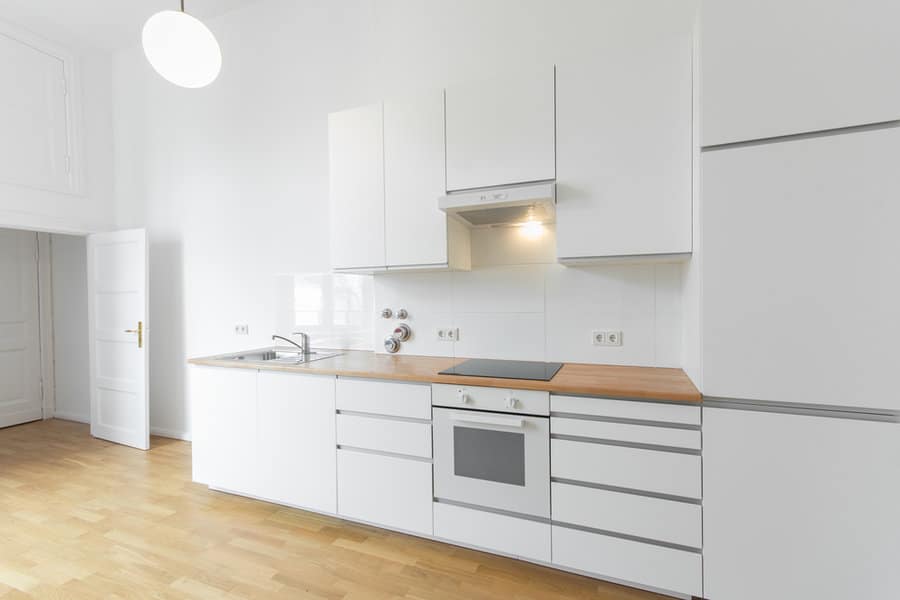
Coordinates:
x,y
492,420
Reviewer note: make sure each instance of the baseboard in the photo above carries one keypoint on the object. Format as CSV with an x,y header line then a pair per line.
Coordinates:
x,y
66,416
170,433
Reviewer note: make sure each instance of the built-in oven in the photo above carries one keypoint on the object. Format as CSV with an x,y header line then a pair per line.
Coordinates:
x,y
492,449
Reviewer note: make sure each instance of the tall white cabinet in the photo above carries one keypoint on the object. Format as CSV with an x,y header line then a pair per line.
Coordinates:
x,y
798,506
777,67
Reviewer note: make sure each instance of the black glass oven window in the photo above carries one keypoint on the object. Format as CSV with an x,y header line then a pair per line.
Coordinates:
x,y
490,455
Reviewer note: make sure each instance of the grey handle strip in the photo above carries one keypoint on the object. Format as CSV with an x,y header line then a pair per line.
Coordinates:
x,y
626,536
356,413
625,421
635,445
496,511
631,491
803,136
808,410
383,453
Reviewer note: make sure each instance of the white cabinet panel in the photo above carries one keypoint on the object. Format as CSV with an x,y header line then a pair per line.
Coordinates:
x,y
803,505
626,432
384,435
626,560
356,178
34,144
385,490
799,270
387,398
624,145
776,67
493,532
297,440
668,412
414,179
501,131
228,397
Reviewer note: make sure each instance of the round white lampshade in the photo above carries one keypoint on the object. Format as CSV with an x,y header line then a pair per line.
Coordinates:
x,y
182,49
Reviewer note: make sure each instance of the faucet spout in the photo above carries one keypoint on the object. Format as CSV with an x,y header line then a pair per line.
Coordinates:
x,y
303,346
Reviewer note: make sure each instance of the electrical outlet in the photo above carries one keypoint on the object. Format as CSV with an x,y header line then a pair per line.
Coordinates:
x,y
447,335
606,338
241,329
453,334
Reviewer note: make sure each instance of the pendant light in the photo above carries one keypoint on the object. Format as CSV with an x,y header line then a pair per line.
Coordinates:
x,y
181,48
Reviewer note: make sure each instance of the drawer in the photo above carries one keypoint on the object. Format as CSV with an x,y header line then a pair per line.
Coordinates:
x,y
652,518
493,532
669,473
384,434
385,490
626,432
665,412
384,398
677,571
527,402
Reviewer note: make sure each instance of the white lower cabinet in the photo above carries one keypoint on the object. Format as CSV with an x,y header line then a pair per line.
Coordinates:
x,y
385,490
524,538
649,565
229,420
296,440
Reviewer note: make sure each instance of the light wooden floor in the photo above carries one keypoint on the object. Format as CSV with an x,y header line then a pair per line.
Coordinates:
x,y
82,518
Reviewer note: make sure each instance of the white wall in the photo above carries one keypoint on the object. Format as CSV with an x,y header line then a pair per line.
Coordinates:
x,y
231,180
70,327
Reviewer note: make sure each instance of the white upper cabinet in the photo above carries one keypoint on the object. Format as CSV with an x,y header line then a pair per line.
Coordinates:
x,y
414,180
34,117
356,179
800,286
777,67
502,130
624,149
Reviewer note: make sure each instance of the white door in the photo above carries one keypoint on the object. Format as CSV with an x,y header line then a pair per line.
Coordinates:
x,y
118,312
20,353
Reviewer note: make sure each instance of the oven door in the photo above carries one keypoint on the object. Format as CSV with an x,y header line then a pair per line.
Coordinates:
x,y
499,461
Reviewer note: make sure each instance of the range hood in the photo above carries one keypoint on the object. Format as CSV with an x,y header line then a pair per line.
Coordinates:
x,y
511,205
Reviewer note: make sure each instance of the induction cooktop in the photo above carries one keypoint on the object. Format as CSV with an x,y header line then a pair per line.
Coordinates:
x,y
505,369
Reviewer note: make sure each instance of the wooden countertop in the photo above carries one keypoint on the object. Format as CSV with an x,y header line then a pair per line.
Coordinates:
x,y
574,378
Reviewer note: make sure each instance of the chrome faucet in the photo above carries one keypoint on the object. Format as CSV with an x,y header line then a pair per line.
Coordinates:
x,y
303,346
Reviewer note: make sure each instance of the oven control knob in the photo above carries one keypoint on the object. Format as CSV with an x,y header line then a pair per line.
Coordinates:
x,y
462,396
512,402
391,344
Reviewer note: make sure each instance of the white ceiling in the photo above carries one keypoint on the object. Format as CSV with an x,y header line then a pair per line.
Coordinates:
x,y
100,24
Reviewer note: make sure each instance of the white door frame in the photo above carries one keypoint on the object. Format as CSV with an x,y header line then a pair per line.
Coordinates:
x,y
45,324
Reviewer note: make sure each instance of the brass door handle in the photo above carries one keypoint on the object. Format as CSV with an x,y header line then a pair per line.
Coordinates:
x,y
140,333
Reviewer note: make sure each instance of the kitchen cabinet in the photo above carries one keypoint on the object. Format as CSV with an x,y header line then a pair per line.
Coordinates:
x,y
800,292
37,140
624,150
778,67
800,506
356,180
229,420
494,532
501,131
296,440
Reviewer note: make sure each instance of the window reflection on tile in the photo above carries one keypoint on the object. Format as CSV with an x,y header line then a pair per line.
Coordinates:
x,y
335,309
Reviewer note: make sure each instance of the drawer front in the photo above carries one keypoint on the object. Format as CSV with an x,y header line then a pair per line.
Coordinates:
x,y
626,432
678,571
384,398
669,473
652,518
665,412
492,532
385,435
526,402
385,490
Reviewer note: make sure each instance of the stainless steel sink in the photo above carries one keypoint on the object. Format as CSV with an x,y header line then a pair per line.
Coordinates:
x,y
280,356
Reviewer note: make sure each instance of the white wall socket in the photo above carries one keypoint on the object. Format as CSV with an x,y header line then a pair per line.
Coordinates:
x,y
606,338
450,334
241,329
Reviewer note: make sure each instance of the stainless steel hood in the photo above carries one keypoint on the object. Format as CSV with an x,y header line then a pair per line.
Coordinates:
x,y
509,205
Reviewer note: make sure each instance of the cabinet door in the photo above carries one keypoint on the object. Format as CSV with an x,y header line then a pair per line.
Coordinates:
x,y
624,150
776,67
800,291
229,401
356,176
501,131
799,506
34,144
414,180
297,463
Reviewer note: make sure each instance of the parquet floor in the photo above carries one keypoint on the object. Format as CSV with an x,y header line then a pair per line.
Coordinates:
x,y
82,518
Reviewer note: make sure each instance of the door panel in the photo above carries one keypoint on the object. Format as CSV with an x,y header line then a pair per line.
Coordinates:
x,y
20,353
119,334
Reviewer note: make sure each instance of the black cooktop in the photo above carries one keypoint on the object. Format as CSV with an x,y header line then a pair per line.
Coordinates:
x,y
505,369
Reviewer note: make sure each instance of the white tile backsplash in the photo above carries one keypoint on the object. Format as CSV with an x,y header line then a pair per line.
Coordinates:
x,y
540,312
